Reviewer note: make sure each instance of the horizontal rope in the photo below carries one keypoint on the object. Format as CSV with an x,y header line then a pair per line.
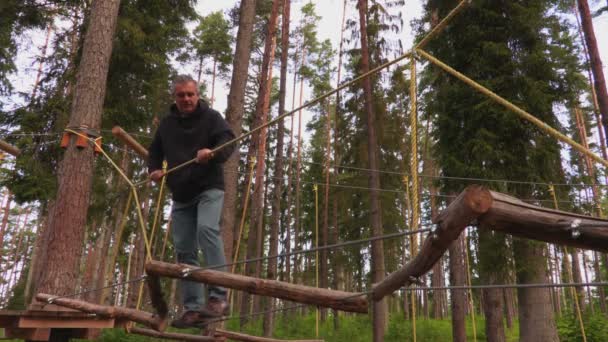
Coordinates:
x,y
509,286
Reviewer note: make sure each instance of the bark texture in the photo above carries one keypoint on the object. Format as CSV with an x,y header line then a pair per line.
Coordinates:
x,y
67,225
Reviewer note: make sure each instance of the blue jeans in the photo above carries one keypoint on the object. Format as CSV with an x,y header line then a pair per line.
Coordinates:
x,y
196,225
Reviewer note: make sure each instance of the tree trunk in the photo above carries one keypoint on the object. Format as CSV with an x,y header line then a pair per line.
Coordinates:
x,y
213,81
75,175
459,297
268,325
536,317
492,248
596,61
577,278
258,146
234,117
379,307
338,282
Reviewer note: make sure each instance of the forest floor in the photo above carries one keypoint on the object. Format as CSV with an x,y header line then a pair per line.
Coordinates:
x,y
357,328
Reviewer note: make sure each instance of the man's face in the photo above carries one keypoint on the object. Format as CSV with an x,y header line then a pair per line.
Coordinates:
x,y
186,97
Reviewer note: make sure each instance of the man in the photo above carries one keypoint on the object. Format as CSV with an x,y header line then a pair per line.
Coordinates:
x,y
192,129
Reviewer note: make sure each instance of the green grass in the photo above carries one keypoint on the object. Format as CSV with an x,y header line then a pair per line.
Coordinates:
x,y
358,328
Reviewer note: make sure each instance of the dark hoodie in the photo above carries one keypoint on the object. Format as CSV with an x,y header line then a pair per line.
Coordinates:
x,y
178,139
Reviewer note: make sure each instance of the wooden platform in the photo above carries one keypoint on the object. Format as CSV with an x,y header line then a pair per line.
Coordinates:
x,y
37,325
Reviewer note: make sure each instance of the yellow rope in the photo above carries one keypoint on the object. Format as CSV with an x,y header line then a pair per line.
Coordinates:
x,y
242,223
522,113
158,205
569,270
414,173
439,27
315,188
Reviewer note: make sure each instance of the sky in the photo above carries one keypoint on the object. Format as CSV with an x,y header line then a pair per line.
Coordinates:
x,y
329,28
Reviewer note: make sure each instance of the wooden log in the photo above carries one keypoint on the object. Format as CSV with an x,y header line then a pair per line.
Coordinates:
x,y
339,300
156,295
171,336
146,318
248,338
474,201
123,136
504,213
513,216
10,149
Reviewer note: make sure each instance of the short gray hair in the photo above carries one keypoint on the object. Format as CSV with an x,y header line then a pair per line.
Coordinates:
x,y
180,79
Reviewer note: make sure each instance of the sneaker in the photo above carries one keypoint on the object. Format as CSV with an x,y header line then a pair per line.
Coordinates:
x,y
189,319
215,308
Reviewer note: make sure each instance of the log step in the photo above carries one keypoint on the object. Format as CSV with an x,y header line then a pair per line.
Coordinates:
x,y
151,320
248,338
172,336
338,300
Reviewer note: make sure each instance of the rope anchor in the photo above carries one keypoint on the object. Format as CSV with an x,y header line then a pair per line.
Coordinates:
x,y
84,137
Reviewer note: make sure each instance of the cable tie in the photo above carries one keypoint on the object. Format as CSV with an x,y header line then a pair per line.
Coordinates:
x,y
51,300
186,272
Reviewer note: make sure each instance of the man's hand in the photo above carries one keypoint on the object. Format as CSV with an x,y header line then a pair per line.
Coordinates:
x,y
157,175
204,155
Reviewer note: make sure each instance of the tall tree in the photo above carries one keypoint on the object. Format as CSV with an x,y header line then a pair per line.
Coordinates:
x,y
257,145
234,116
521,53
379,308
277,192
76,169
213,40
596,61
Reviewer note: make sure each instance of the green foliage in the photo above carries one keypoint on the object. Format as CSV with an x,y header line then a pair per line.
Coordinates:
x,y
352,329
213,39
596,327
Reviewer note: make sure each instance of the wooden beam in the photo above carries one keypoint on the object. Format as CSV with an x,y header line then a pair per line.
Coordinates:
x,y
513,216
146,318
248,338
499,212
474,201
49,322
171,336
338,300
10,149
123,136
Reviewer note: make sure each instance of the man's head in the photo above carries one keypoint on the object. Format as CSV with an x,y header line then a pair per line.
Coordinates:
x,y
185,93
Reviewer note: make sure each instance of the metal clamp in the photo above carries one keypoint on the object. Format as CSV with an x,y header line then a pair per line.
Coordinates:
x,y
186,272
574,227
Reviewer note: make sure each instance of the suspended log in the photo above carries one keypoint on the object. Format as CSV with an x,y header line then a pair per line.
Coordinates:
x,y
500,212
248,338
469,205
10,149
146,318
171,336
339,300
123,136
513,216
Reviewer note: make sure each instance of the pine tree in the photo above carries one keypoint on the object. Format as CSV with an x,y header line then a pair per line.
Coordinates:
x,y
517,51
